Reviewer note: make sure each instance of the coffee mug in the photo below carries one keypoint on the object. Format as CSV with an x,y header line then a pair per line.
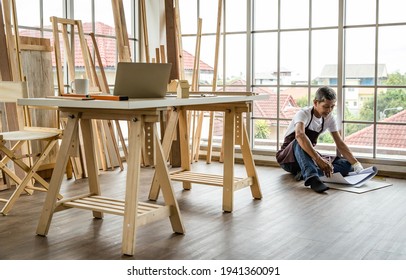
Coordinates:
x,y
80,86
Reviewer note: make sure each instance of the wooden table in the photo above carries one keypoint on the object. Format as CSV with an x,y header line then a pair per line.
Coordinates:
x,y
235,133
138,113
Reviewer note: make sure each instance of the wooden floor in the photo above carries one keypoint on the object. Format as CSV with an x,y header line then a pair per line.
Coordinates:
x,y
290,222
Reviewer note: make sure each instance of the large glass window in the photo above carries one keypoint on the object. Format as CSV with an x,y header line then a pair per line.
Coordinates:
x,y
294,46
375,78
97,18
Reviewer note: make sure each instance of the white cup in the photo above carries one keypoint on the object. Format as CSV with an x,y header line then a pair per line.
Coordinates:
x,y
80,86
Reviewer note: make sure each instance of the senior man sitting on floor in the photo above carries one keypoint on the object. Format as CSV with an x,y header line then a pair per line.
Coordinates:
x,y
298,154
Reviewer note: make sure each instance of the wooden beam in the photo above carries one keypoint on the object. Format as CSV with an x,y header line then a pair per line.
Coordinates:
x,y
104,86
171,48
179,45
214,84
145,30
5,71
123,46
12,55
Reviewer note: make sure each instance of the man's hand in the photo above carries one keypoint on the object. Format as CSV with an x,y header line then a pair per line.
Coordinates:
x,y
325,166
357,167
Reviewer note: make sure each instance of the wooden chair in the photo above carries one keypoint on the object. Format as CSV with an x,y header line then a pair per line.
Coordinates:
x,y
19,154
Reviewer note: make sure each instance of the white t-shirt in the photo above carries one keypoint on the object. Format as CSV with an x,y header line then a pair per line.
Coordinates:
x,y
304,116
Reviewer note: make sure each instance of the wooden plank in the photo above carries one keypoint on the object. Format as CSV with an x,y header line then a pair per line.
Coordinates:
x,y
35,43
11,91
124,51
117,26
10,41
93,74
111,145
69,49
56,180
37,66
92,170
184,144
196,133
179,45
162,53
167,190
250,165
172,54
103,84
98,209
132,185
157,56
229,150
17,41
57,52
144,24
127,50
214,83
167,141
5,70
85,53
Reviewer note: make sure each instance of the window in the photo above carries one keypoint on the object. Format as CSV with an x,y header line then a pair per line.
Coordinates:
x,y
288,48
376,75
96,16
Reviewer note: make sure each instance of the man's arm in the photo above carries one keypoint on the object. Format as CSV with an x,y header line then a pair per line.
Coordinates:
x,y
307,146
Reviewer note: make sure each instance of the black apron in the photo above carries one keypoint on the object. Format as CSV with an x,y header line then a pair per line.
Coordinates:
x,y
286,154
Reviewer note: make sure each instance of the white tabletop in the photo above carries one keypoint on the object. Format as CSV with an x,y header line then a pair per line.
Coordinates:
x,y
138,103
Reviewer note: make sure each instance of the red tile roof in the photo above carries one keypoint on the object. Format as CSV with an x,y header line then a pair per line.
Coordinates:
x,y
107,47
390,136
264,108
189,60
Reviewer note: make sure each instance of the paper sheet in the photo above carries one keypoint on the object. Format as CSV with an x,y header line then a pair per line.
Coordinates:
x,y
354,179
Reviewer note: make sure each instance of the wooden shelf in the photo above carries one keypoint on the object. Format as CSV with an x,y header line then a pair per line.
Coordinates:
x,y
209,179
147,212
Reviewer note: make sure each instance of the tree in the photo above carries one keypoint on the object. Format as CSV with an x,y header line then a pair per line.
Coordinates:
x,y
262,129
302,101
392,98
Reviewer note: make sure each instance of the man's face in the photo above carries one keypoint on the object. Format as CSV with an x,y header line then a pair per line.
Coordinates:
x,y
324,108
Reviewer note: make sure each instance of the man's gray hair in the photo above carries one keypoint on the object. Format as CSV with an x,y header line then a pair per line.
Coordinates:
x,y
324,93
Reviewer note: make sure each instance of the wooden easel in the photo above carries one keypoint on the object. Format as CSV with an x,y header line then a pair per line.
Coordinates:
x,y
108,155
123,46
108,127
10,65
195,132
214,85
196,136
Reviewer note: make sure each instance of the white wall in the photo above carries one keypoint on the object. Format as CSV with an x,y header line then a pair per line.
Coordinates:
x,y
156,27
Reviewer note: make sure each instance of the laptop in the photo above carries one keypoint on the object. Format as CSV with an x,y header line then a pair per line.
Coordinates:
x,y
142,80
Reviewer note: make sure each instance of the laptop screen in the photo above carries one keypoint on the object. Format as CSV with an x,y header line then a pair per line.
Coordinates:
x,y
142,80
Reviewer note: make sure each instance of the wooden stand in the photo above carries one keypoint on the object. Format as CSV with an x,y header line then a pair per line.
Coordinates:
x,y
234,134
135,213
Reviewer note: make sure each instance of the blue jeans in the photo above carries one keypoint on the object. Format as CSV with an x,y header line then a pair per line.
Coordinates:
x,y
308,168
